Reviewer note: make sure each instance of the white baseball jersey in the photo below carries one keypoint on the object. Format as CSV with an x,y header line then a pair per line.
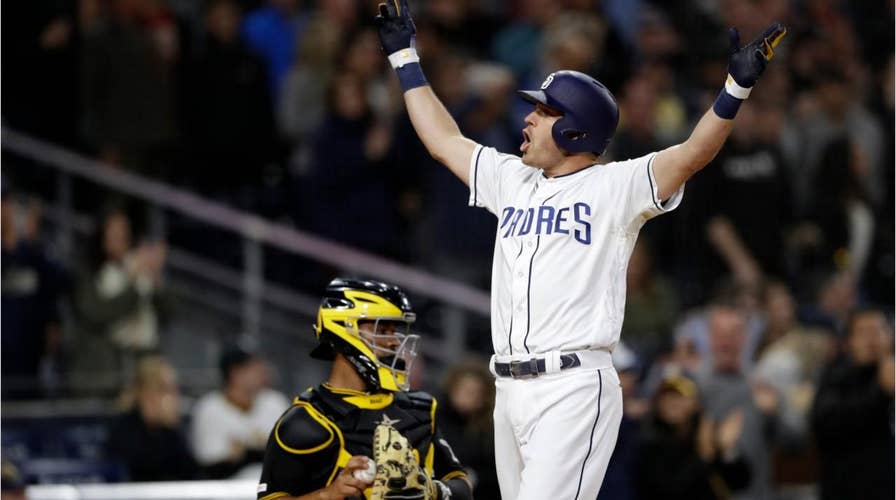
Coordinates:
x,y
562,248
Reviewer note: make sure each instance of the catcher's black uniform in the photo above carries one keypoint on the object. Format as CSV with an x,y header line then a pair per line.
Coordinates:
x,y
314,439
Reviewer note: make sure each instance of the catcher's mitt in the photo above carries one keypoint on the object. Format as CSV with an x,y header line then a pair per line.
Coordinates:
x,y
398,474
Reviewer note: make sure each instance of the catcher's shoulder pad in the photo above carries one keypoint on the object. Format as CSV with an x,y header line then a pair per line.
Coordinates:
x,y
303,430
416,401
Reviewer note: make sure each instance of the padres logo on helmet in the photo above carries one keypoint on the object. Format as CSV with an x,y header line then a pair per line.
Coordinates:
x,y
368,322
589,110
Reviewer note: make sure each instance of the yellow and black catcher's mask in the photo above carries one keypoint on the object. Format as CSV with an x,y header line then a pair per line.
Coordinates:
x,y
369,323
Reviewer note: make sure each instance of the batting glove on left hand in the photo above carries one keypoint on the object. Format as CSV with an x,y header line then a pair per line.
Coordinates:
x,y
746,64
395,26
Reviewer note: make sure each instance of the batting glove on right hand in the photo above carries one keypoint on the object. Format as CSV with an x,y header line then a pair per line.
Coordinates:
x,y
395,26
746,64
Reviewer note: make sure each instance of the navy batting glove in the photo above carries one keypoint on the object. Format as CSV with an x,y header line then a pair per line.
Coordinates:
x,y
395,26
746,64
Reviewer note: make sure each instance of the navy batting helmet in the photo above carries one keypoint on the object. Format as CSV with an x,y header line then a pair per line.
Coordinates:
x,y
590,113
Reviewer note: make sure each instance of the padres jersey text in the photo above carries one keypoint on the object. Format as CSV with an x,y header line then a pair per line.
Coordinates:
x,y
562,246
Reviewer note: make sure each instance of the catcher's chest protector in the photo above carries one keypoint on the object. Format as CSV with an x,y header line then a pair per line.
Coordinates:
x,y
314,439
409,414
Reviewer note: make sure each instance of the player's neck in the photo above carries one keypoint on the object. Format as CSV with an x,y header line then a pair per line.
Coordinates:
x,y
570,164
344,376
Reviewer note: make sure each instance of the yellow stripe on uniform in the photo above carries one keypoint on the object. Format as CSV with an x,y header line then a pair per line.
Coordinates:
x,y
317,417
432,417
276,494
429,463
454,474
344,456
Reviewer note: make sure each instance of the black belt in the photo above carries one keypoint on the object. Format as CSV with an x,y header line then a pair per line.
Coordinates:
x,y
533,367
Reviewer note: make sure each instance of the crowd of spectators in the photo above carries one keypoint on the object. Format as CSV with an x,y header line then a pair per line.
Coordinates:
x,y
758,331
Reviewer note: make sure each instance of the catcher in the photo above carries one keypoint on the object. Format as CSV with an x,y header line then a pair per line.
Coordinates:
x,y
363,419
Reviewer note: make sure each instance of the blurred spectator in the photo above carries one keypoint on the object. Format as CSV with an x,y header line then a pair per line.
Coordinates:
x,y
491,86
40,58
463,24
148,438
121,305
725,389
743,238
348,183
879,274
231,426
517,44
636,135
852,416
303,96
832,110
228,112
841,211
790,361
32,285
651,305
273,31
465,417
621,478
570,41
363,58
657,39
694,329
127,85
831,296
687,454
12,484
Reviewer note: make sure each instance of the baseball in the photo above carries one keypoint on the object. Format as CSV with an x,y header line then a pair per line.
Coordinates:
x,y
367,474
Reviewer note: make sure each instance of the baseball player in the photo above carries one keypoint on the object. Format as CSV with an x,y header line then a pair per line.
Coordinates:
x,y
321,446
566,227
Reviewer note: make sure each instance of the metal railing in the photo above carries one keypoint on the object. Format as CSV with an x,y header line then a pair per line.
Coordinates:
x,y
254,232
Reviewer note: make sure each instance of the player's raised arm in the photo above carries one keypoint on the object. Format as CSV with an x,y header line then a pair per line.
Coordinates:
x,y
434,125
673,166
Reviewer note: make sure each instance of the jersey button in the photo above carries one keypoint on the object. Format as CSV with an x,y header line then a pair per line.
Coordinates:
x,y
520,274
530,244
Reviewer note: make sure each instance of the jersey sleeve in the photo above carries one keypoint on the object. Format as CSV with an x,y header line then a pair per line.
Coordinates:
x,y
635,187
299,456
491,175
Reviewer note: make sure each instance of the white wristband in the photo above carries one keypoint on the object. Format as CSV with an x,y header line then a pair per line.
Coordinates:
x,y
403,56
735,90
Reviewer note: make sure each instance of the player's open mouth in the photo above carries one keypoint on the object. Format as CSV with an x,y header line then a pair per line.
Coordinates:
x,y
526,142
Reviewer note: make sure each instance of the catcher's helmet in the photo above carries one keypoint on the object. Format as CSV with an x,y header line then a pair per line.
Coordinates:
x,y
590,113
368,322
